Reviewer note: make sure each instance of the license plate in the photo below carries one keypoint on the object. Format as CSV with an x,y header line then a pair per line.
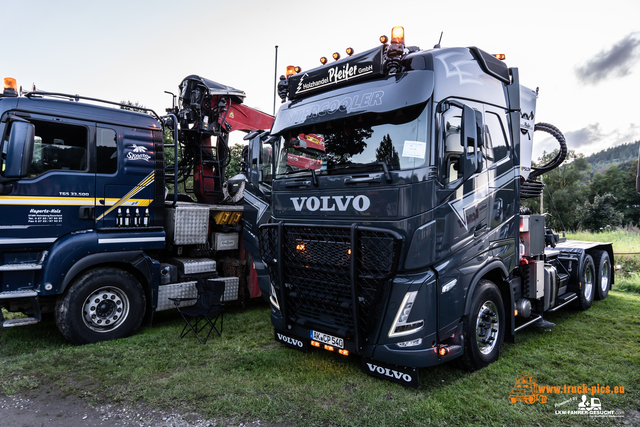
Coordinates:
x,y
327,339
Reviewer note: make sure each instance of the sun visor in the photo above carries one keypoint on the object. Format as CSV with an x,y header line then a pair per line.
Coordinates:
x,y
379,96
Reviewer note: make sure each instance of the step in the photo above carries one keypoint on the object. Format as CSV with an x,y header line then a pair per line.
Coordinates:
x,y
196,265
563,300
20,322
18,294
20,267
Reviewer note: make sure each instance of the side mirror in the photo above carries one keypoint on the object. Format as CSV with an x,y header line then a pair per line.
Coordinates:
x,y
19,149
469,159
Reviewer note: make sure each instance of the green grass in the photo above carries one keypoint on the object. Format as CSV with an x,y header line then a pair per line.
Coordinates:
x,y
627,267
245,375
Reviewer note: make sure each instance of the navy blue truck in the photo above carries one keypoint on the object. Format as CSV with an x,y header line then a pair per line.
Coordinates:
x,y
394,229
88,229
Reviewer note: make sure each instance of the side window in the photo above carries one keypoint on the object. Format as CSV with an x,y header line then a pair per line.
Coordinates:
x,y
58,147
266,163
495,142
107,146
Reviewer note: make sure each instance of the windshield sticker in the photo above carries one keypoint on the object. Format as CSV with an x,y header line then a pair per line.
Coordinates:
x,y
344,105
416,149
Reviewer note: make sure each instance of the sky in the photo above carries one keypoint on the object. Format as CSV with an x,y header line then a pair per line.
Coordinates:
x,y
584,56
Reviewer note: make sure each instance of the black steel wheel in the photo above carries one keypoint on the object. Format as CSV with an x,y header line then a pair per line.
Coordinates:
x,y
603,273
484,327
101,305
588,281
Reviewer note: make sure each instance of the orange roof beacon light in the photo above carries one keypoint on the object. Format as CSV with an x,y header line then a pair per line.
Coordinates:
x,y
10,87
395,50
291,70
397,35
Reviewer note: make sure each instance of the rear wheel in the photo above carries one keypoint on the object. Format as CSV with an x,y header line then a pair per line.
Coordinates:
x,y
484,327
587,283
603,273
101,305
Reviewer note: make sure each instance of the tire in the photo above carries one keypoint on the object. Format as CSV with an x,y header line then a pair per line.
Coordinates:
x,y
588,281
603,273
484,327
101,305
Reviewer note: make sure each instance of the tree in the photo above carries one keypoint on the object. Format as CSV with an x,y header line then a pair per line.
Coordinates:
x,y
133,106
599,215
621,183
565,188
387,153
233,168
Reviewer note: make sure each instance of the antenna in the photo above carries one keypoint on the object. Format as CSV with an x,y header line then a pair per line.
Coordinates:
x,y
275,78
438,45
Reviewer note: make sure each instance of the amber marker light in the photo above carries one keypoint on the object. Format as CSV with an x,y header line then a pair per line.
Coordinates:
x,y
350,51
10,83
315,344
329,347
297,69
443,351
384,39
500,56
323,60
336,55
397,35
343,352
300,247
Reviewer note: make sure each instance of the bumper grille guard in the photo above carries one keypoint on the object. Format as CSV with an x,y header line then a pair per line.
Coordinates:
x,y
331,277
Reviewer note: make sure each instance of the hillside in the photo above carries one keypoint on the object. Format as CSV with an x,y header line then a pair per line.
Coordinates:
x,y
621,155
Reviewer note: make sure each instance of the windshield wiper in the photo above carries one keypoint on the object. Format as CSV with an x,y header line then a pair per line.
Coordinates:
x,y
314,178
387,175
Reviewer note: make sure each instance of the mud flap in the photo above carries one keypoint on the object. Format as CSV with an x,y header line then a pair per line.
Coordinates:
x,y
397,374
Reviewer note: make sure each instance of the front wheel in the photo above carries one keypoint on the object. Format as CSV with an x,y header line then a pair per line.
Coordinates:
x,y
101,305
484,327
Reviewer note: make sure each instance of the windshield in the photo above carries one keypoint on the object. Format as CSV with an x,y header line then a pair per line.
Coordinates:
x,y
397,139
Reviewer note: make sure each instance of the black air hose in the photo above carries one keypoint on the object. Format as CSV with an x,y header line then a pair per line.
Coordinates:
x,y
559,158
532,188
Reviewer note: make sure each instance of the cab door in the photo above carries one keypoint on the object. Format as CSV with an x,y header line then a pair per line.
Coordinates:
x,y
56,197
257,199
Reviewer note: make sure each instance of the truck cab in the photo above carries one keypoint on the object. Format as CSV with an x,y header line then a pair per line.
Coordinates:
x,y
398,239
90,232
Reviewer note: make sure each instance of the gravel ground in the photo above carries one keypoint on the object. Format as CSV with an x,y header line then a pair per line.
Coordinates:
x,y
51,410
